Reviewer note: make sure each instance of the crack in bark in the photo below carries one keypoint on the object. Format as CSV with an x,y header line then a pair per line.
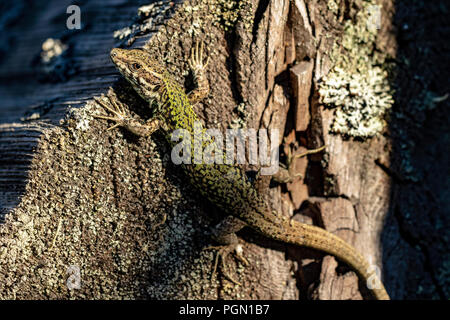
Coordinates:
x,y
259,15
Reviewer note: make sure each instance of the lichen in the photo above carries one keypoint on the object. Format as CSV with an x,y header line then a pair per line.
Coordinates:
x,y
333,6
52,48
358,86
148,20
55,63
226,13
242,112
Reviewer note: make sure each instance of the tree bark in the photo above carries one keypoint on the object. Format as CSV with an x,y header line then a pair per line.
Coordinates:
x,y
78,197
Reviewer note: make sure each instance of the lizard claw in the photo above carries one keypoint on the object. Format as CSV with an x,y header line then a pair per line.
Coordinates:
x,y
196,60
122,117
198,68
223,252
114,106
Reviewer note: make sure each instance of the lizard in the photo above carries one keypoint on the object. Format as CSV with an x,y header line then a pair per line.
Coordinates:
x,y
224,185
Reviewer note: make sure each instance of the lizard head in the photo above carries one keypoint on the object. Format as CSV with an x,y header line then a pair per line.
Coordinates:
x,y
141,70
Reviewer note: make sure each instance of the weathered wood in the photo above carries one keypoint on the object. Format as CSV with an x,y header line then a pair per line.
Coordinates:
x,y
301,81
120,211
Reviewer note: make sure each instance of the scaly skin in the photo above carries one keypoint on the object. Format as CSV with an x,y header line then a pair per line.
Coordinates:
x,y
226,186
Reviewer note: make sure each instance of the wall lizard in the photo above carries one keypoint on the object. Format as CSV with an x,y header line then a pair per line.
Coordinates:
x,y
226,186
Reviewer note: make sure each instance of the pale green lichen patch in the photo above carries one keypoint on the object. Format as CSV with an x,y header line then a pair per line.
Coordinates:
x,y
358,84
333,6
52,48
148,20
242,112
226,13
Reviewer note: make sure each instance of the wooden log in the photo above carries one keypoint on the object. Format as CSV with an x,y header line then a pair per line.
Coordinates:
x,y
118,211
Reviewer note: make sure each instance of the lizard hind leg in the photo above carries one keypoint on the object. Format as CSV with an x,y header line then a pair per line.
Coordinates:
x,y
286,175
225,234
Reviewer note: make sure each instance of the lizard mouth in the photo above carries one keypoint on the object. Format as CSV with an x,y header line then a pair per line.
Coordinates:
x,y
115,54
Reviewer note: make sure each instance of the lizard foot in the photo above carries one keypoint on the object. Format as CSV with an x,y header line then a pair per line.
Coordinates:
x,y
112,104
196,60
223,252
123,119
199,71
285,175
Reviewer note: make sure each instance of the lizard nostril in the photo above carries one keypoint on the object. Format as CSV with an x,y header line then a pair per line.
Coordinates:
x,y
113,52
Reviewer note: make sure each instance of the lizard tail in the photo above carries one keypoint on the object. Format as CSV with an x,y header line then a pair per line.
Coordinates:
x,y
320,239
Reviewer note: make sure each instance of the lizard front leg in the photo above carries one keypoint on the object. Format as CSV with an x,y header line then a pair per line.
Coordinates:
x,y
199,70
122,118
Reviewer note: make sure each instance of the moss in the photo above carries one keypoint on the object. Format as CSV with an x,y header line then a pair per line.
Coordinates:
x,y
358,83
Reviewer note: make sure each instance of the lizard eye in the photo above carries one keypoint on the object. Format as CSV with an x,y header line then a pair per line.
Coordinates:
x,y
136,66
